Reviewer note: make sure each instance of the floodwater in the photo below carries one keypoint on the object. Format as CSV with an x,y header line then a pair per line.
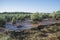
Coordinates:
x,y
25,25
50,21
47,22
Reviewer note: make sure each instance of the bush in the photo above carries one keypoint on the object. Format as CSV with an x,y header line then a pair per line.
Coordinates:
x,y
8,18
36,17
2,22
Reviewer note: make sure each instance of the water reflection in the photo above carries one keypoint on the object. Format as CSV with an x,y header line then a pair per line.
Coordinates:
x,y
25,25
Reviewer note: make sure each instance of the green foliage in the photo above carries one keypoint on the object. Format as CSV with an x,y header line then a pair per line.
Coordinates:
x,y
13,20
2,22
21,17
57,15
36,17
8,18
45,15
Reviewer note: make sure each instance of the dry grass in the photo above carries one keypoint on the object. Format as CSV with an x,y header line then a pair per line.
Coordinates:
x,y
47,33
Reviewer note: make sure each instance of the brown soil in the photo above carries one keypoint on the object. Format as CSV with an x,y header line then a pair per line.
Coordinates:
x,y
37,24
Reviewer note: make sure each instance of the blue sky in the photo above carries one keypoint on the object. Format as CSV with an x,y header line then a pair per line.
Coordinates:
x,y
29,5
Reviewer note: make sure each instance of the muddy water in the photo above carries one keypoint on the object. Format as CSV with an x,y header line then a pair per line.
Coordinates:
x,y
47,22
50,21
25,25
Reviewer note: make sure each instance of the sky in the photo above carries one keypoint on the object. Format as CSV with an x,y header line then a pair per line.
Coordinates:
x,y
29,5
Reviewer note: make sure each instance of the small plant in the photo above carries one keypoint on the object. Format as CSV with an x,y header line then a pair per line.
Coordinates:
x,y
2,22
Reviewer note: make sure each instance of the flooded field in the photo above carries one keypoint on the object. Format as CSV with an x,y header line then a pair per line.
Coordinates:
x,y
27,24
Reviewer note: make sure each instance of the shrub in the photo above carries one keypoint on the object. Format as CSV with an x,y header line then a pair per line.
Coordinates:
x,y
2,22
